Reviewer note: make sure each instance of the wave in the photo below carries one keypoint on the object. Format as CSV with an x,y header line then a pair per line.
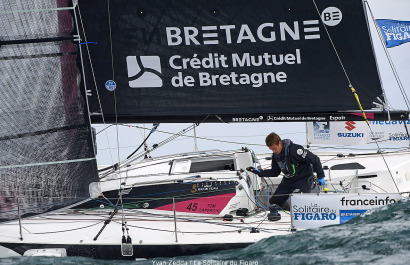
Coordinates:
x,y
380,236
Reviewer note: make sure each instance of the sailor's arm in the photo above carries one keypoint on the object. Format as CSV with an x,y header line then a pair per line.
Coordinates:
x,y
303,155
274,171
317,165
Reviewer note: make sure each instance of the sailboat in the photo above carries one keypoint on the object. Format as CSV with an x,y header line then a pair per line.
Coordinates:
x,y
177,61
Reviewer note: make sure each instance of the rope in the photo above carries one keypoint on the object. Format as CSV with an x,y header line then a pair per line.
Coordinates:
x,y
93,76
403,92
201,138
195,143
359,104
355,95
331,42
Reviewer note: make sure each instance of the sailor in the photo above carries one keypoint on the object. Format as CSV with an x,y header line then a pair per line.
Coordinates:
x,y
297,165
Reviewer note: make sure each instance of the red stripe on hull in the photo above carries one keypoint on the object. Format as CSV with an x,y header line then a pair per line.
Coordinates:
x,y
206,205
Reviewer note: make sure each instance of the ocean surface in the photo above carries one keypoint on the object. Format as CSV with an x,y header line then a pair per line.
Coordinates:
x,y
381,236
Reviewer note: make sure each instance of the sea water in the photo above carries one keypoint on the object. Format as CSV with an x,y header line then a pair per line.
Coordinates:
x,y
381,236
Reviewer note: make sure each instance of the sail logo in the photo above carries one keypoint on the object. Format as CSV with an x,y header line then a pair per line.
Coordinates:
x,y
231,34
350,125
331,16
144,71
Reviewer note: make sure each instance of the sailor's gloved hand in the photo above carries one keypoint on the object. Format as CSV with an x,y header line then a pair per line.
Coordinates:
x,y
321,181
253,170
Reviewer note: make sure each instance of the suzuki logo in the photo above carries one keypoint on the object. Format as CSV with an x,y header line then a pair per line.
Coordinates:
x,y
350,125
144,71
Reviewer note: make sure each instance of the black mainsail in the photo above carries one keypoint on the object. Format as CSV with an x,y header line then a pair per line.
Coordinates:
x,y
190,61
47,158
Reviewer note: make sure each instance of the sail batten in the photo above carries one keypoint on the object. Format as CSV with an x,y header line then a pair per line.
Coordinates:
x,y
49,163
34,10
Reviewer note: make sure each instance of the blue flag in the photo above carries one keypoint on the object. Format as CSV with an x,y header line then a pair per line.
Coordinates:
x,y
395,32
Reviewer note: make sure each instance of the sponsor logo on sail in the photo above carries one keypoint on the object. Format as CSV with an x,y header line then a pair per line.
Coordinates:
x,y
331,16
229,34
110,85
144,71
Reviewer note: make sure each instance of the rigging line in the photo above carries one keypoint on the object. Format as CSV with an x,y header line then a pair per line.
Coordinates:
x,y
157,146
195,143
141,154
403,92
105,128
201,138
344,147
359,104
368,125
68,230
407,131
93,137
110,30
113,78
116,118
93,76
189,232
190,219
354,92
384,159
173,137
152,130
331,42
341,64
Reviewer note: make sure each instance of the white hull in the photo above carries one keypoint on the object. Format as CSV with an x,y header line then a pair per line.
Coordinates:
x,y
153,234
155,230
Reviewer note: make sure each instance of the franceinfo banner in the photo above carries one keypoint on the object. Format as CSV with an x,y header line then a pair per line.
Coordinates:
x,y
313,210
182,57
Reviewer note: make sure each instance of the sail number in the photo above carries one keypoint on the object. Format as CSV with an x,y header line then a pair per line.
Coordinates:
x,y
192,207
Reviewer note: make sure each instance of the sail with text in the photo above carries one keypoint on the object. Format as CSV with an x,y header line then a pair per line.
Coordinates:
x,y
231,60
